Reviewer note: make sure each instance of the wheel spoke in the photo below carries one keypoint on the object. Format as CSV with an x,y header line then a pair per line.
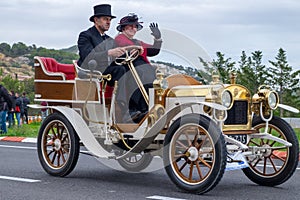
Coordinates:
x,y
204,162
48,154
280,158
58,158
273,164
253,142
196,137
62,132
54,157
53,132
62,155
199,170
187,138
257,161
191,171
265,165
64,137
182,145
270,130
184,164
202,142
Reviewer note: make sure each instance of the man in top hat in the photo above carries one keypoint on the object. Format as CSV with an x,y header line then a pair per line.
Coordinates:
x,y
91,43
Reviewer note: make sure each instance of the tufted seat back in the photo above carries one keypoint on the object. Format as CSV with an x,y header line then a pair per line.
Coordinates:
x,y
51,65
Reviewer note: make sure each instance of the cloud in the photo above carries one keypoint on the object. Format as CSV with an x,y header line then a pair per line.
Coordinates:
x,y
229,26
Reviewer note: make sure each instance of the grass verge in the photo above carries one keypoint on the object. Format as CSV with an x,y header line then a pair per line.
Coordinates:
x,y
31,130
26,130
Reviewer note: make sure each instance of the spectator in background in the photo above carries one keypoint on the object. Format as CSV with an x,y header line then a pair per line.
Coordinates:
x,y
19,108
11,113
24,115
44,111
5,105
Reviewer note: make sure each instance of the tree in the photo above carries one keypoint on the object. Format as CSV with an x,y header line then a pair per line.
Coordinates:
x,y
19,49
205,73
5,48
252,73
224,67
284,80
12,84
221,64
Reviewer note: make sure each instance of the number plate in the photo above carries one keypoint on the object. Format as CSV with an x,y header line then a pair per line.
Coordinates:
x,y
239,137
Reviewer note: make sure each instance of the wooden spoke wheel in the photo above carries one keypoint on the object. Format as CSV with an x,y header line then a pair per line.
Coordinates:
x,y
276,163
58,145
194,153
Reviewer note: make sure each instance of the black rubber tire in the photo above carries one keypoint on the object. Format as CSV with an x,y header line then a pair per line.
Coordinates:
x,y
136,163
291,160
57,145
218,158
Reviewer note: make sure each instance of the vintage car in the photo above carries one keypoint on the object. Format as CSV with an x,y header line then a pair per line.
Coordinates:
x,y
200,131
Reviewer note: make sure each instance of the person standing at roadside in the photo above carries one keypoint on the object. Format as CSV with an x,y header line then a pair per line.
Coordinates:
x,y
26,101
11,113
5,105
19,108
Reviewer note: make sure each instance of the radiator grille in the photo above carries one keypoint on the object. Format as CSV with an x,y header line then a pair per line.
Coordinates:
x,y
238,114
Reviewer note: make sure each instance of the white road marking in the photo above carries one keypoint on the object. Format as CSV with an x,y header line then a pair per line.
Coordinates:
x,y
18,147
27,180
163,198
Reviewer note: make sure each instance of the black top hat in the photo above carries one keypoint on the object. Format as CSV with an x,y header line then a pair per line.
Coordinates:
x,y
102,10
130,19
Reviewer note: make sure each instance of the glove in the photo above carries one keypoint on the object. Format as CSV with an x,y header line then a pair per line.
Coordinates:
x,y
155,31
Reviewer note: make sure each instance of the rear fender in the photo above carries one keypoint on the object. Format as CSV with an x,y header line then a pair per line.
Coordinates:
x,y
83,131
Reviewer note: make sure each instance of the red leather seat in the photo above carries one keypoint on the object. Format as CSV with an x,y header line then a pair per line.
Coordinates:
x,y
52,65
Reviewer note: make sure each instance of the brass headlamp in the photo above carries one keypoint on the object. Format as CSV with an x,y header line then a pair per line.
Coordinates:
x,y
267,97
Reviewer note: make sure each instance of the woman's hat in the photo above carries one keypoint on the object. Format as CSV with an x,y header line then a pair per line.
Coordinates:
x,y
128,20
102,10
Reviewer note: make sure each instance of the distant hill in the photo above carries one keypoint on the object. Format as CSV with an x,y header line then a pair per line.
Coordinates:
x,y
72,49
17,67
15,58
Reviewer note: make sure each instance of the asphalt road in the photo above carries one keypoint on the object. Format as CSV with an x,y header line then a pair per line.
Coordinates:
x,y
22,177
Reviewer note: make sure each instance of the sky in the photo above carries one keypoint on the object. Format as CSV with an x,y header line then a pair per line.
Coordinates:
x,y
228,26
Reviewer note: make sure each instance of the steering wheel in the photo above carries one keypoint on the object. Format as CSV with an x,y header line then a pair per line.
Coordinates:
x,y
132,52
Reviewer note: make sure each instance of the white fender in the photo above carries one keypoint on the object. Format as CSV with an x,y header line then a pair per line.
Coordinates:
x,y
83,131
289,108
213,105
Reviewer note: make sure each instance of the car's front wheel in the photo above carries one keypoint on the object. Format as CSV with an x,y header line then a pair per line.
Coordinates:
x,y
194,153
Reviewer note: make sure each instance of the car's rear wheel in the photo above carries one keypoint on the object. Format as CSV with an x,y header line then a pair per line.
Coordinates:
x,y
57,145
137,162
